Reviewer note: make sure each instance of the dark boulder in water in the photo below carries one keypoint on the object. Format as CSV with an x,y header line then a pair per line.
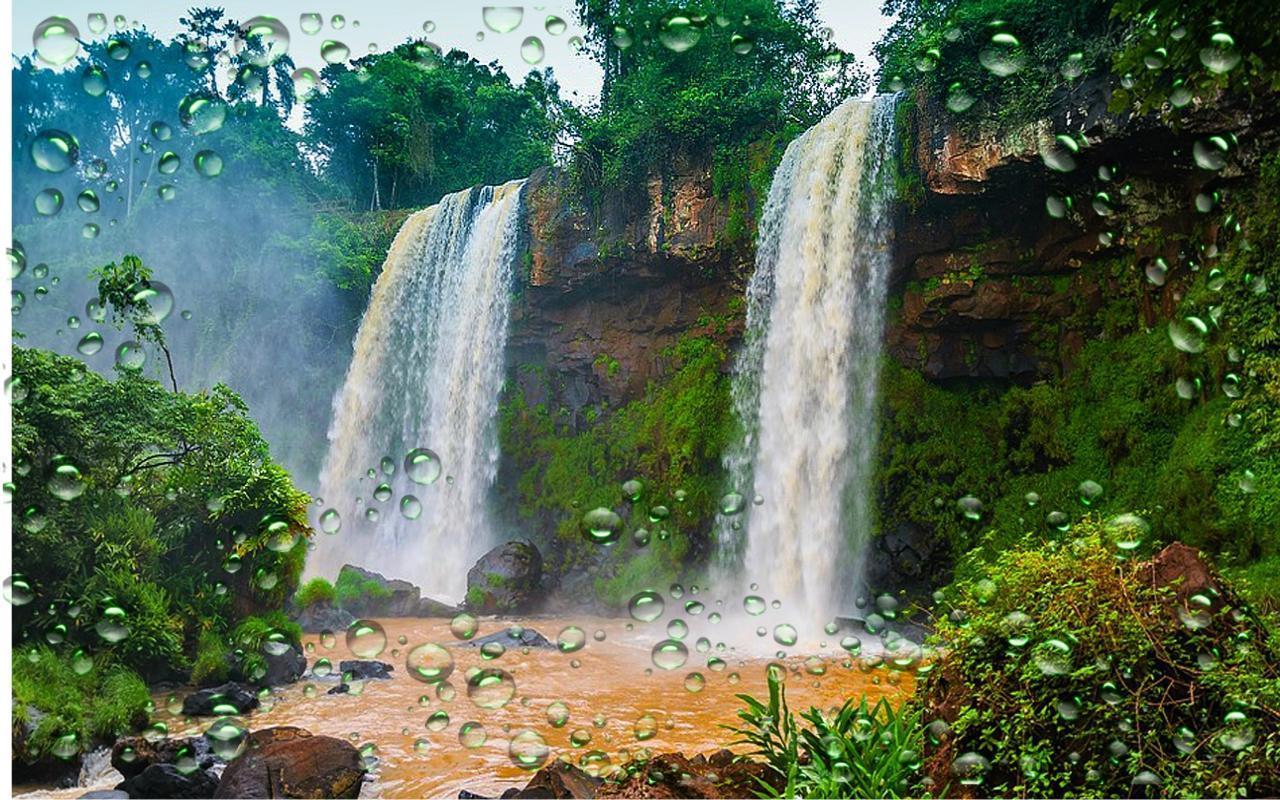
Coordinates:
x,y
290,762
506,580
364,670
323,616
205,702
131,755
514,637
167,780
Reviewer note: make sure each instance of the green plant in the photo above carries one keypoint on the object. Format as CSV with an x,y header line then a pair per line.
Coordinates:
x,y
859,751
1069,670
315,591
80,703
350,587
210,666
255,636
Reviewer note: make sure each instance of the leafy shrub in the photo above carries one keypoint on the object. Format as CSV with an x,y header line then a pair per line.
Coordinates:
x,y
76,710
250,640
859,751
1065,671
350,587
316,590
210,666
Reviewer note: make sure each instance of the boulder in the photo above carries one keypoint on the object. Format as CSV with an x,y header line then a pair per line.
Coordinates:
x,y
166,780
506,580
561,781
281,668
323,616
131,755
203,702
391,598
292,763
364,670
522,637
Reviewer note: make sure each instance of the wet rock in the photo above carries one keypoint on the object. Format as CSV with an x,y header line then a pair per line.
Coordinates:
x,y
166,780
203,702
506,580
131,755
104,794
560,781
393,598
723,775
364,670
292,763
323,616
280,668
527,637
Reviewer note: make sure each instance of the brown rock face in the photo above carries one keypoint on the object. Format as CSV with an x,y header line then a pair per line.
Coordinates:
x,y
604,293
289,762
993,286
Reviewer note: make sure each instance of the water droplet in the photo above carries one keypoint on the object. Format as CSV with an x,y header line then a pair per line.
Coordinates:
x,y
17,591
130,356
1090,491
169,163
622,37
490,687
754,605
1127,531
694,682
1211,153
262,41
571,639
646,606
438,720
1220,56
202,113
970,506
1060,154
784,635
532,50
1003,55
678,32
227,738
741,44
601,526
429,663
970,769
54,150
502,19
472,735
1188,335
112,626
422,466
366,638
528,750
56,41
669,654
48,202
1157,271
66,483
732,503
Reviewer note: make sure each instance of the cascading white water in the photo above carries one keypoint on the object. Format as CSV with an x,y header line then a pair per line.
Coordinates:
x,y
426,373
806,383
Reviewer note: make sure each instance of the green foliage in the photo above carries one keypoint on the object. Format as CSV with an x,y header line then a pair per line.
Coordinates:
x,y
1071,673
1177,36
250,638
951,35
104,702
658,104
671,440
169,487
405,127
350,587
858,751
211,665
316,590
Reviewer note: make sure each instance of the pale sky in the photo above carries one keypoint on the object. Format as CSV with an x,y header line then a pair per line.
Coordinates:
x,y
856,24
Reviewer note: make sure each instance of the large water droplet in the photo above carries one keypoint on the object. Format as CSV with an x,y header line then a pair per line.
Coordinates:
x,y
646,606
528,750
429,663
366,638
54,150
490,687
422,466
502,19
669,654
262,41
678,32
48,202
66,483
532,50
601,526
1188,334
202,113
1003,55
130,356
1220,56
56,40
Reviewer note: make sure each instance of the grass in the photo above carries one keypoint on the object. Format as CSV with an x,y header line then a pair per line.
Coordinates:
x,y
860,751
315,591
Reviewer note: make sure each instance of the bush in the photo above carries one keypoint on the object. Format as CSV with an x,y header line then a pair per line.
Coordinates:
x,y
858,751
351,587
252,638
314,591
1066,671
211,665
78,711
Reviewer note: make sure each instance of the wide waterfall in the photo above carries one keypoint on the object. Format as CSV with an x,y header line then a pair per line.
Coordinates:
x,y
806,383
426,374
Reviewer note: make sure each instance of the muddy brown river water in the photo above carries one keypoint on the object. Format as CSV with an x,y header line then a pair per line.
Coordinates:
x,y
609,687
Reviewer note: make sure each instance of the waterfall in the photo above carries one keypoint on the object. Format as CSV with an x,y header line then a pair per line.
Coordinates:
x,y
426,373
806,382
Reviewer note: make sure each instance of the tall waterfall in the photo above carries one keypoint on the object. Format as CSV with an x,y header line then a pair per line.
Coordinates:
x,y
806,384
426,373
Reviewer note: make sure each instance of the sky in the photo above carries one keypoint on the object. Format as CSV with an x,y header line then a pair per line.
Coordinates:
x,y
857,24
